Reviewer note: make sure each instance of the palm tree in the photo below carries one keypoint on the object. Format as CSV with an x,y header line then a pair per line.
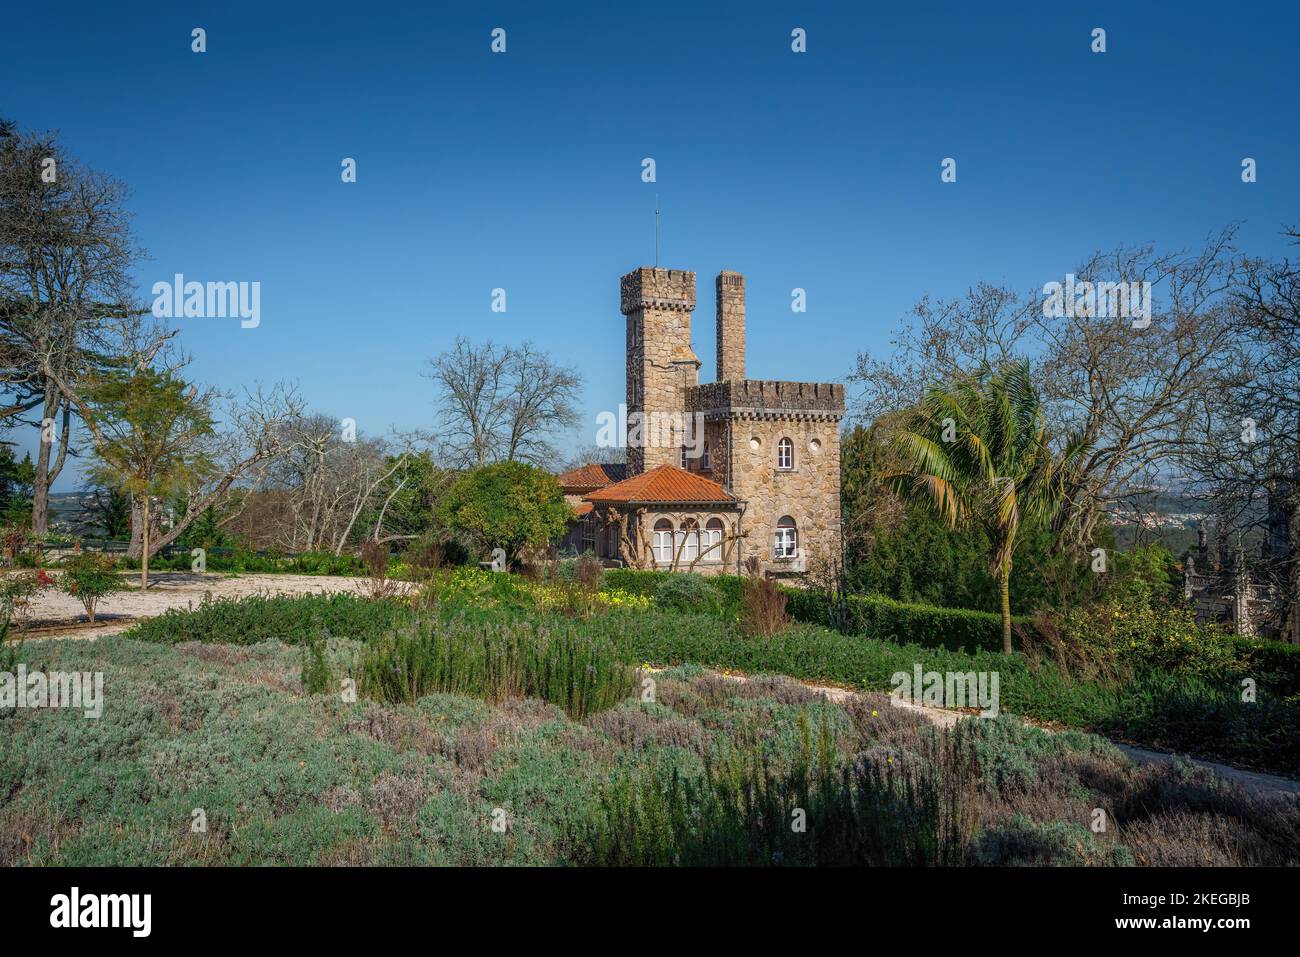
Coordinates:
x,y
978,451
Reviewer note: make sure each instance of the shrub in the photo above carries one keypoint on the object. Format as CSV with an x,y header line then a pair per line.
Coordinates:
x,y
89,577
683,591
291,619
872,812
878,617
317,678
552,660
763,613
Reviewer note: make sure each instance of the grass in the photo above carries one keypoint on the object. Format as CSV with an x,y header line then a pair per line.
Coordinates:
x,y
705,772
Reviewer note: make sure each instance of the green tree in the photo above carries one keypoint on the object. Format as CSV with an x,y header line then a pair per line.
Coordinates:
x,y
110,510
16,480
977,450
151,436
507,505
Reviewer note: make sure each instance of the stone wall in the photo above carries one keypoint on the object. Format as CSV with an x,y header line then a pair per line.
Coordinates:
x,y
661,365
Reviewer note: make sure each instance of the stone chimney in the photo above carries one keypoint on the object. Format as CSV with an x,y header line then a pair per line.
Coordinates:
x,y
731,326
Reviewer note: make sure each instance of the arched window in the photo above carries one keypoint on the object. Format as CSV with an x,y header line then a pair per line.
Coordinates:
x,y
787,538
663,542
713,537
688,540
785,454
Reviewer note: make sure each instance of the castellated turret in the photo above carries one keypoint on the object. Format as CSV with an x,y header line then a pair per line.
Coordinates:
x,y
661,365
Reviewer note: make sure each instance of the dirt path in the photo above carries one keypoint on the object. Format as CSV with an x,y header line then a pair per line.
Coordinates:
x,y
53,614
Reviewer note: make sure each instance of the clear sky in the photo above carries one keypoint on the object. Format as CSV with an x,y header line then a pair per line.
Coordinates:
x,y
522,170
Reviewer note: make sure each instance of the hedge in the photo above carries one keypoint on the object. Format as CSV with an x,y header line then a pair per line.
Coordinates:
x,y
905,623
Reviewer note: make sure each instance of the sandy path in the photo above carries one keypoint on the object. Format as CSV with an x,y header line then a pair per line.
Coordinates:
x,y
53,614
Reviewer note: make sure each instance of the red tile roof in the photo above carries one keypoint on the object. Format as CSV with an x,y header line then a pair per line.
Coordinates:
x,y
583,509
590,476
667,483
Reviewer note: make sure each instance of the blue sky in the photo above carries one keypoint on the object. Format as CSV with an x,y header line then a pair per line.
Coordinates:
x,y
523,170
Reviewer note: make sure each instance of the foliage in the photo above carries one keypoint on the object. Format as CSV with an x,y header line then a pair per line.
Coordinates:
x,y
291,778
506,505
904,622
317,677
977,450
16,480
764,608
684,591
89,577
290,619
548,659
822,811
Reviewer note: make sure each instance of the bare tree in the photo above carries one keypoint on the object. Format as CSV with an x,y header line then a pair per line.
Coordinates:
x,y
502,403
1247,460
1123,387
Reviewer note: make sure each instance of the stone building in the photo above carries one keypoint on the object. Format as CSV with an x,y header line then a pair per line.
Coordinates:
x,y
1246,595
718,472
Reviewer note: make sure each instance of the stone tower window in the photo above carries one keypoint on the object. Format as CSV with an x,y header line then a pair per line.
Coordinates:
x,y
787,538
686,462
704,459
663,541
785,454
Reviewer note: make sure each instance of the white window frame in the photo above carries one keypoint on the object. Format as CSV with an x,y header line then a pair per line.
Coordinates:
x,y
785,541
663,542
704,459
687,543
785,455
712,536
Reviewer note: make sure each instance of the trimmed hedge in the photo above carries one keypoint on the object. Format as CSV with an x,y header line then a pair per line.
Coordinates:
x,y
1277,663
905,623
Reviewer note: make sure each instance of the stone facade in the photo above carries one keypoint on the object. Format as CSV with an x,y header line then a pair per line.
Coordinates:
x,y
745,421
661,365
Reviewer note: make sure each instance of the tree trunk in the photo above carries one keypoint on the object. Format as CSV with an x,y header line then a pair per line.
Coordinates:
x,y
144,552
41,474
1004,587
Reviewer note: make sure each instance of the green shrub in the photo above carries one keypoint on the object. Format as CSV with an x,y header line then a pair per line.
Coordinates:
x,y
552,660
741,811
878,617
683,591
88,578
291,619
317,678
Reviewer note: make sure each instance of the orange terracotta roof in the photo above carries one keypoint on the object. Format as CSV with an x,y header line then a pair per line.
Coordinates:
x,y
583,509
667,483
591,476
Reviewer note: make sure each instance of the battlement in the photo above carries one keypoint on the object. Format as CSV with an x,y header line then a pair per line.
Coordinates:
x,y
653,288
767,397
